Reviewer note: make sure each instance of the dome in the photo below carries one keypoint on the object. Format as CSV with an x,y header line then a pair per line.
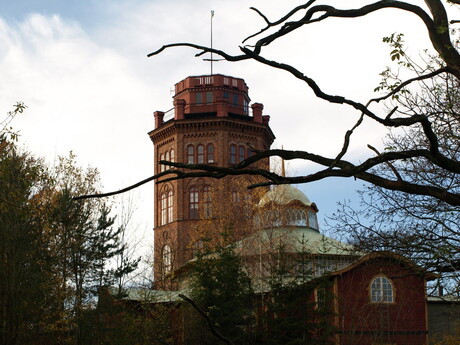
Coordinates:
x,y
283,195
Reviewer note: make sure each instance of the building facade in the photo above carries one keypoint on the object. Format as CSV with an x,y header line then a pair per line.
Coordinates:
x,y
377,298
211,123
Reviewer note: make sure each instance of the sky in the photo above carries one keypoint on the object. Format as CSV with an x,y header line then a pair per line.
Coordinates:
x,y
81,68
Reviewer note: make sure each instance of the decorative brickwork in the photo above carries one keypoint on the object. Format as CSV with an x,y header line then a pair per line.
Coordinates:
x,y
211,113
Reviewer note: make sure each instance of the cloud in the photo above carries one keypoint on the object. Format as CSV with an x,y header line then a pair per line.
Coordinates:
x,y
92,89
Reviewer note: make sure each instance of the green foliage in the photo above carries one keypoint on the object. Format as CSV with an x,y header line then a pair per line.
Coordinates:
x,y
223,290
6,131
397,43
390,79
24,274
53,250
298,307
416,226
117,323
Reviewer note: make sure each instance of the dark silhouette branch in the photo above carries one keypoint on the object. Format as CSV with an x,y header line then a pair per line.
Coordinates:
x,y
346,142
279,21
409,81
211,326
124,190
391,166
436,23
342,169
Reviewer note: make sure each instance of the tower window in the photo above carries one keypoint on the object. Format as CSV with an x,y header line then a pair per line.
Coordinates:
x,y
193,202
198,98
233,154
162,167
200,154
225,94
172,155
241,154
170,206
197,247
235,196
209,97
381,290
166,207
163,214
207,202
166,159
210,153
235,99
190,154
166,256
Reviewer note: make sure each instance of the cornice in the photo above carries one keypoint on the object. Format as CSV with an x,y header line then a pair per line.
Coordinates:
x,y
166,141
177,126
211,88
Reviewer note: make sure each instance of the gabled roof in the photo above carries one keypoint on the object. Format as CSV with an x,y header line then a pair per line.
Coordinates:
x,y
388,255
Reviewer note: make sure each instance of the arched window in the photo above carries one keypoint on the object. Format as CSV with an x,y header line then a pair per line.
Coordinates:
x,y
381,290
235,196
271,218
166,259
296,217
162,158
190,154
200,154
233,154
312,220
210,153
164,207
207,202
172,155
197,247
241,153
170,206
193,203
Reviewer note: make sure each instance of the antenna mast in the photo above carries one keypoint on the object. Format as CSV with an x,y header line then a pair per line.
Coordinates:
x,y
212,16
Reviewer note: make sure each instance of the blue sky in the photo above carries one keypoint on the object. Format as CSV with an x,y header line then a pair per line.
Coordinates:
x,y
82,70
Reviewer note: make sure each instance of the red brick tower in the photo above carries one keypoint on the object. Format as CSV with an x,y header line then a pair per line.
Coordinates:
x,y
210,123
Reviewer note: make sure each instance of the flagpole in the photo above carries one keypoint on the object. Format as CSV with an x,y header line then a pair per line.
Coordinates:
x,y
212,15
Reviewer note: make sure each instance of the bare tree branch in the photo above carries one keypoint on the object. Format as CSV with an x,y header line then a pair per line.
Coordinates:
x,y
436,23
342,169
407,82
207,319
279,21
391,166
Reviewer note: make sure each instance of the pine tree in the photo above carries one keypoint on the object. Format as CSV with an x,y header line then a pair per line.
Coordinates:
x,y
223,290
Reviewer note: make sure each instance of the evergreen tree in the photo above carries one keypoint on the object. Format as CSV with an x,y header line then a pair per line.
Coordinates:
x,y
26,281
223,290
298,305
